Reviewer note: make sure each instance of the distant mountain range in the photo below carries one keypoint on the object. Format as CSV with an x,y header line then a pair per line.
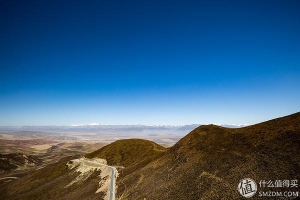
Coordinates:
x,y
94,127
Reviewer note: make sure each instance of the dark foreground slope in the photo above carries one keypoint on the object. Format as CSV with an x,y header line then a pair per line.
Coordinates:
x,y
210,161
51,182
48,183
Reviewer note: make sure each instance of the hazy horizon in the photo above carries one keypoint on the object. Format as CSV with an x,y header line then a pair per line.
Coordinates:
x,y
145,125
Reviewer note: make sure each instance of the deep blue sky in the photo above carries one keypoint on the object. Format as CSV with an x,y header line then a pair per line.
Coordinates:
x,y
148,62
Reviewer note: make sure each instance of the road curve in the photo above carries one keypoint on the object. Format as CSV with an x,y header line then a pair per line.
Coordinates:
x,y
9,177
112,177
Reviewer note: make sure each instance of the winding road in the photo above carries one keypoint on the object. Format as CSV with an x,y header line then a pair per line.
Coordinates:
x,y
9,178
112,176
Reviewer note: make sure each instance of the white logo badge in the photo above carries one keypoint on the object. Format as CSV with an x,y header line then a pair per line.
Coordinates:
x,y
247,187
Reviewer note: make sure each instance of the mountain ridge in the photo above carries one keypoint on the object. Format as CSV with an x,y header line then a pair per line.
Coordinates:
x,y
207,163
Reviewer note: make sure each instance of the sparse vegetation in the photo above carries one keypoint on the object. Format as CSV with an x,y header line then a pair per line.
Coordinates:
x,y
13,161
206,164
209,162
132,154
128,152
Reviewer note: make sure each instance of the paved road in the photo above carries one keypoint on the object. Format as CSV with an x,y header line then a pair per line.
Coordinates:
x,y
112,177
9,178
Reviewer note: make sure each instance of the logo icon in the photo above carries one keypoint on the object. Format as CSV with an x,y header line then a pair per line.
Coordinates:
x,y
247,187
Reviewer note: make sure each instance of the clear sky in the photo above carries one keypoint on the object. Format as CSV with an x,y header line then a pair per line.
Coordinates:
x,y
148,62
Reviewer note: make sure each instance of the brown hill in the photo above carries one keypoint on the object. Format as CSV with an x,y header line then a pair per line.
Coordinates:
x,y
48,183
51,181
130,153
13,161
210,161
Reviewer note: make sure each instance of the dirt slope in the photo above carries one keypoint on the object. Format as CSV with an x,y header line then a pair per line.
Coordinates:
x,y
209,162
